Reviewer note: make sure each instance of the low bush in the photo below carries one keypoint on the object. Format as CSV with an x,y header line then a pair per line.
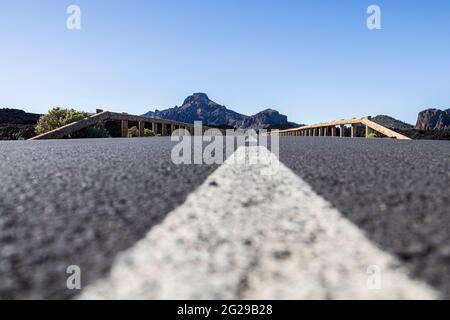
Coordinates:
x,y
58,117
91,133
149,133
133,132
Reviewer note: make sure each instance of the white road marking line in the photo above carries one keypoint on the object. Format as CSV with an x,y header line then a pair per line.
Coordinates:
x,y
242,235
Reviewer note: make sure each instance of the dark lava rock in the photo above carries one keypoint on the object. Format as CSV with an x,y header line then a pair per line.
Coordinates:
x,y
14,116
433,119
16,131
17,124
426,134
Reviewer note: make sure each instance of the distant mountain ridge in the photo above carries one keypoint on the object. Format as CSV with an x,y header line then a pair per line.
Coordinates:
x,y
15,116
198,107
391,123
265,119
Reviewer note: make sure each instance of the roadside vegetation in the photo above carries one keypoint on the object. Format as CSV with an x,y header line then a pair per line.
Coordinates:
x,y
59,117
149,133
91,133
133,132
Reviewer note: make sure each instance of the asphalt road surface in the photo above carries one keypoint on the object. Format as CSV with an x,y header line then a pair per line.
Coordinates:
x,y
80,203
397,192
139,226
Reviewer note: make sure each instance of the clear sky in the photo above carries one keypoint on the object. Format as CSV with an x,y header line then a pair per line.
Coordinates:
x,y
312,60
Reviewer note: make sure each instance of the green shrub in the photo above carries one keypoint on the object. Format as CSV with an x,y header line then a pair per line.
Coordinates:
x,y
57,118
91,133
149,133
133,132
372,135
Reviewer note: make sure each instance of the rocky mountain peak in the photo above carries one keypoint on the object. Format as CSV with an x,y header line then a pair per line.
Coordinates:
x,y
433,119
268,111
265,119
197,97
198,107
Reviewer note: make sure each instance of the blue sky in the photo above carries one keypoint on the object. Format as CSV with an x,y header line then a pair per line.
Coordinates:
x,y
312,60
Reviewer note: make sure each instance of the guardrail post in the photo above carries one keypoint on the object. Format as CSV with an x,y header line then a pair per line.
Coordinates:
x,y
355,125
368,131
124,128
353,131
141,128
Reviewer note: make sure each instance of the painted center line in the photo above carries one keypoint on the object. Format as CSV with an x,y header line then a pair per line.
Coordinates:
x,y
244,235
